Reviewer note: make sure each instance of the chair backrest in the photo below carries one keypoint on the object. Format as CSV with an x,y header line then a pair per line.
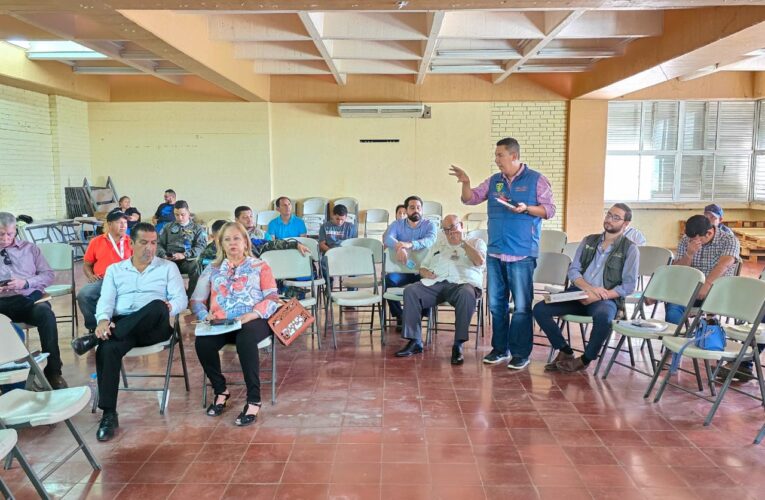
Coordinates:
x,y
312,244
392,265
762,275
570,249
673,284
375,221
58,255
479,233
350,261
651,258
432,208
352,204
375,245
552,240
736,297
13,347
288,264
315,206
474,220
552,268
266,216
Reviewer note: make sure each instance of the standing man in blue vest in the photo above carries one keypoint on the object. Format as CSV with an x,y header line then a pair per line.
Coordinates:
x,y
518,198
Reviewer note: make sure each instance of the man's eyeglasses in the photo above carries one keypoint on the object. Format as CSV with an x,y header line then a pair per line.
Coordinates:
x,y
451,228
6,257
615,218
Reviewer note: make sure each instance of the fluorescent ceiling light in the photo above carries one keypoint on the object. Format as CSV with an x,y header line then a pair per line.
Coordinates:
x,y
107,70
479,54
171,71
138,55
756,53
552,68
476,68
51,50
65,56
23,44
564,52
707,70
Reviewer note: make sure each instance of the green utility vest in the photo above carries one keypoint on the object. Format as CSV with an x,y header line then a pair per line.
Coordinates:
x,y
612,270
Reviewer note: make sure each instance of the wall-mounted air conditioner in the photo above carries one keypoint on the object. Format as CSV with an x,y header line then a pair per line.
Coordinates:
x,y
382,110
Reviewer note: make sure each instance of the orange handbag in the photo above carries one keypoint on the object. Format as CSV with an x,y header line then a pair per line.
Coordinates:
x,y
290,321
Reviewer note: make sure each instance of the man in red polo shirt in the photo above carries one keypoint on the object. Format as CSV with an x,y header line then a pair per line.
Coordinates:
x,y
103,251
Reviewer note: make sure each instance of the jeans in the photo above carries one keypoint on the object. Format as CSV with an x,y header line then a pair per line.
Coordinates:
x,y
516,278
398,280
603,313
87,299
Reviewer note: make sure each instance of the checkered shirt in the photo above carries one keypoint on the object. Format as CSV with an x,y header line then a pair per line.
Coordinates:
x,y
708,255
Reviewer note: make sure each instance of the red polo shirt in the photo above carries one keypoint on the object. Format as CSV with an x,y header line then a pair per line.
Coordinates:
x,y
101,253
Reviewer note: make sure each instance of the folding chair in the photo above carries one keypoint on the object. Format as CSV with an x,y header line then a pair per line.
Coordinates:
x,y
570,249
378,252
289,264
8,438
550,275
392,265
318,283
352,261
375,222
651,258
735,297
672,284
176,339
266,216
60,257
480,326
475,220
432,210
20,408
552,240
479,233
314,213
265,344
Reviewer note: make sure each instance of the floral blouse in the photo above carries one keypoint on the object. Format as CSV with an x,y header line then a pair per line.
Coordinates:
x,y
235,290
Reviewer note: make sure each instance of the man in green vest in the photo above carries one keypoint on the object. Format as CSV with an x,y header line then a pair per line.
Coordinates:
x,y
606,268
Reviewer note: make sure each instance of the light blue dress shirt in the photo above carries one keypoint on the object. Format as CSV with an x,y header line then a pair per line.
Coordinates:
x,y
125,290
422,236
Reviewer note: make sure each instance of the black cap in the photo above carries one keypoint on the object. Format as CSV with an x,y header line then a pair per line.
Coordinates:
x,y
115,215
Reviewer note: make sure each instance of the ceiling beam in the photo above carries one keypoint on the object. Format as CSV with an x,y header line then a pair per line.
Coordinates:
x,y
555,22
314,24
435,21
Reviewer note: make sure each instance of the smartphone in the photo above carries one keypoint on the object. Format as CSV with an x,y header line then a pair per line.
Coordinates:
x,y
221,322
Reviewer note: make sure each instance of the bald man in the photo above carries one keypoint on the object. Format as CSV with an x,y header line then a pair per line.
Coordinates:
x,y
452,272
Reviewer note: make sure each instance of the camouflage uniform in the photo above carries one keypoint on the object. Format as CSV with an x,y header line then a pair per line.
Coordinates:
x,y
191,241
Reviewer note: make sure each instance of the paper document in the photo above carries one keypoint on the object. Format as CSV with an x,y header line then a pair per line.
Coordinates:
x,y
565,297
204,329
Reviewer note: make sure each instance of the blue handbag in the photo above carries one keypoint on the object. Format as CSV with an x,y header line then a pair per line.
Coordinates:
x,y
709,335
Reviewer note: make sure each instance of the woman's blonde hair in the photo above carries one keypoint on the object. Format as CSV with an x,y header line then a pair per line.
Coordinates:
x,y
221,253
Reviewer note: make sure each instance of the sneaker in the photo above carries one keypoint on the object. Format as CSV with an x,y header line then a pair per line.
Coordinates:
x,y
493,358
553,366
518,363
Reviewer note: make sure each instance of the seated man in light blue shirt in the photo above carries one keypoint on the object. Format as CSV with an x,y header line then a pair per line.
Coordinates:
x,y
138,297
404,237
287,225
606,267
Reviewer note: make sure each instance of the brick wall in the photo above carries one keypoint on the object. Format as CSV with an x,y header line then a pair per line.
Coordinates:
x,y
44,145
540,128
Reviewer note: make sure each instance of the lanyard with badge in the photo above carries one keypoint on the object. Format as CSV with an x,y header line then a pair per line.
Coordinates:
x,y
121,250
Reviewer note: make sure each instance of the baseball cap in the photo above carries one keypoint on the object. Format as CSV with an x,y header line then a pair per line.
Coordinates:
x,y
115,215
714,209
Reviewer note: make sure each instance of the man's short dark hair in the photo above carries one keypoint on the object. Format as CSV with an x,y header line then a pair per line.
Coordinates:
x,y
413,197
279,200
627,210
141,227
697,225
170,191
340,210
181,204
511,144
217,225
238,210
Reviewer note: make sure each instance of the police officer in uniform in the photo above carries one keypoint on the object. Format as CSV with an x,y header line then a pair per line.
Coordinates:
x,y
182,242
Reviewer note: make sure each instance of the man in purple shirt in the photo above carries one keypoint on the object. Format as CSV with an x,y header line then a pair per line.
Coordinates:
x,y
24,274
518,198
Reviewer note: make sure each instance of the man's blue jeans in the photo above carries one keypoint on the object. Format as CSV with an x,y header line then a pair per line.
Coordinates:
x,y
87,298
603,313
516,278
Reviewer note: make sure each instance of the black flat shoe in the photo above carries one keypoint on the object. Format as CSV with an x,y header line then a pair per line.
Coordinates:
x,y
244,418
457,357
215,409
106,427
411,348
56,381
83,344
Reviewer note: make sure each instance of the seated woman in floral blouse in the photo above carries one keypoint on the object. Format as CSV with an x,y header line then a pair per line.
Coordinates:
x,y
236,286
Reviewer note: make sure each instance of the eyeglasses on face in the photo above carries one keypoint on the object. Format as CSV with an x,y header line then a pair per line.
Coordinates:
x,y
615,218
451,228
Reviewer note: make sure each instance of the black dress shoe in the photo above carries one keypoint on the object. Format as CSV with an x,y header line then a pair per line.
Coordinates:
x,y
109,422
57,381
411,348
83,344
457,357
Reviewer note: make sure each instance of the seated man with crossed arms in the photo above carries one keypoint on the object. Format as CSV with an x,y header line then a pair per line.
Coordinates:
x,y
452,272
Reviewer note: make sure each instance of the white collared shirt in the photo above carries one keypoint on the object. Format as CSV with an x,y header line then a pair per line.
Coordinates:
x,y
451,263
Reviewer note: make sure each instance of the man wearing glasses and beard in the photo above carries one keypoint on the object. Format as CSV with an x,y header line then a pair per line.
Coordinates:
x,y
605,266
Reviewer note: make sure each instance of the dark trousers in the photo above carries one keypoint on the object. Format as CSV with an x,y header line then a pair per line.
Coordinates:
x,y
398,280
418,297
147,326
603,313
191,268
23,309
246,340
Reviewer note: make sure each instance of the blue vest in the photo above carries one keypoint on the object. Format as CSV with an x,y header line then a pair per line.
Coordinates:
x,y
511,233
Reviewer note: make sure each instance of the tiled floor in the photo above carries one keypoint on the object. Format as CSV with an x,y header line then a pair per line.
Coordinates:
x,y
360,423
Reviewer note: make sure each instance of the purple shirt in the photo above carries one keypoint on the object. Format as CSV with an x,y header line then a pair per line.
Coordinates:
x,y
544,199
27,263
